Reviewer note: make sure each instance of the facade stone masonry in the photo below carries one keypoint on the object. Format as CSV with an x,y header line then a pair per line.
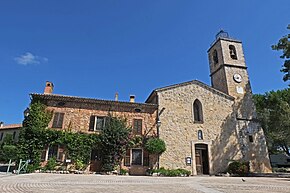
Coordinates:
x,y
204,127
77,113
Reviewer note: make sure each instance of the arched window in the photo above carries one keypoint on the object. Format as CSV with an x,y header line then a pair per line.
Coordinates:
x,y
199,135
197,111
215,57
233,52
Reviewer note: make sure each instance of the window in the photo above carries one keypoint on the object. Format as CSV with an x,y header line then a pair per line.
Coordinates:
x,y
197,111
215,57
97,123
136,156
57,120
52,151
233,52
137,126
1,136
199,135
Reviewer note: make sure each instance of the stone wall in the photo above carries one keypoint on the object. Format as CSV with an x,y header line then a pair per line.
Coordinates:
x,y
77,115
179,130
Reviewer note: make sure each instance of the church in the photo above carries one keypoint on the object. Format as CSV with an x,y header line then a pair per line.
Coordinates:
x,y
207,127
204,127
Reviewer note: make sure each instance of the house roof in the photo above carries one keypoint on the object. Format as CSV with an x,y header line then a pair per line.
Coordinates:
x,y
196,82
11,126
66,98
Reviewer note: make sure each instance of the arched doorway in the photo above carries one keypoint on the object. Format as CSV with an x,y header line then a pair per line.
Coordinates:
x,y
201,159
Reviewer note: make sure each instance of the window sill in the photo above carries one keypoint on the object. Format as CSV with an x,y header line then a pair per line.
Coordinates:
x,y
198,122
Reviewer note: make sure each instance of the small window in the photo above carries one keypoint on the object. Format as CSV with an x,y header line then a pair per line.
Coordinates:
x,y
1,136
215,57
136,156
58,120
97,123
233,52
199,135
251,139
137,126
197,111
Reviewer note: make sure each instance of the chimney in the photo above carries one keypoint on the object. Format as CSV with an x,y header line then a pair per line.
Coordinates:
x,y
48,88
1,124
132,98
116,96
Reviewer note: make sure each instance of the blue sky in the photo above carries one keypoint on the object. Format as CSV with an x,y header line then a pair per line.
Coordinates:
x,y
95,48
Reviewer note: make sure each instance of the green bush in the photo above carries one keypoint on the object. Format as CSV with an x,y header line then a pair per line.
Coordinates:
x,y
79,165
155,146
123,171
240,168
51,164
171,173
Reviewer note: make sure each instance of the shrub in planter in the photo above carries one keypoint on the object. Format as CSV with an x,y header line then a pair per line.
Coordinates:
x,y
240,168
172,173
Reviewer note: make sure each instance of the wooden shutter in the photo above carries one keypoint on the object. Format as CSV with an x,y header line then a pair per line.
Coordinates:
x,y
92,123
127,158
60,120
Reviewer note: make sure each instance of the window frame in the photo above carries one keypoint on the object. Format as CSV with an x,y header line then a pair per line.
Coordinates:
x,y
58,119
137,126
135,163
94,126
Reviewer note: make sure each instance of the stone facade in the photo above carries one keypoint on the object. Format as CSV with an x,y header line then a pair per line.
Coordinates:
x,y
77,112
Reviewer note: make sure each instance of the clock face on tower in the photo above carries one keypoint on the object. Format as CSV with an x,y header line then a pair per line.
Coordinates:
x,y
237,78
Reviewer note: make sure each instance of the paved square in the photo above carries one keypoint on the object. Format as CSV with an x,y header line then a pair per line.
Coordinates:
x,y
36,183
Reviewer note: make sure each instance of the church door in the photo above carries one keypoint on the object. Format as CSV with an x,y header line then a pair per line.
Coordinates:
x,y
201,159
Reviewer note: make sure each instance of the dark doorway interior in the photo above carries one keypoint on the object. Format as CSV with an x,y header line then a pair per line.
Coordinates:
x,y
201,158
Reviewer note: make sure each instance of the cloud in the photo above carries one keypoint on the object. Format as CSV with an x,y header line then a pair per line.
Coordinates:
x,y
28,58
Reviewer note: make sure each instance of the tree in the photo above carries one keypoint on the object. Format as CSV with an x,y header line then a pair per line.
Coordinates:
x,y
32,138
284,45
273,110
114,140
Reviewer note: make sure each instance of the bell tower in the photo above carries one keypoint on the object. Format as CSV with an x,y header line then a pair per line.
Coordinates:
x,y
228,72
228,69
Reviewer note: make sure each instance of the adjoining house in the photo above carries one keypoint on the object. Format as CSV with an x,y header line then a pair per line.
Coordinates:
x,y
204,127
87,115
10,129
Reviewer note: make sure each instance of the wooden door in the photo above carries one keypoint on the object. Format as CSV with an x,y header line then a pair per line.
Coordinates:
x,y
198,160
